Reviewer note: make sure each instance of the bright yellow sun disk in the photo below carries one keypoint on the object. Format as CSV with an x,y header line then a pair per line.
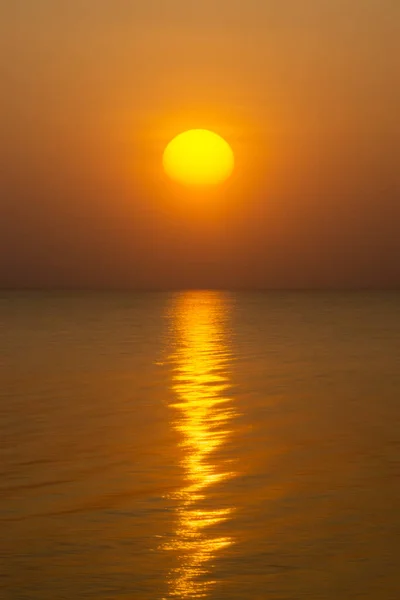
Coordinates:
x,y
198,157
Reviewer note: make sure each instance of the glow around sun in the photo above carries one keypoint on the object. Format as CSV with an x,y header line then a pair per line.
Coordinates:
x,y
198,157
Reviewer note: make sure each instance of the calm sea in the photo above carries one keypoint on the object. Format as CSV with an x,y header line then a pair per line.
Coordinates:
x,y
200,445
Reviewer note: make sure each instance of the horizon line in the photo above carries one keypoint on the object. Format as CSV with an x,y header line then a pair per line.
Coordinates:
x,y
127,289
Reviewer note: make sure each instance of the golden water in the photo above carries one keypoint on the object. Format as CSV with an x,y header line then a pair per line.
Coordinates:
x,y
199,445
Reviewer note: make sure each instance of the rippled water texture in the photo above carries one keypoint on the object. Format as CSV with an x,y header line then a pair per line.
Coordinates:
x,y
199,445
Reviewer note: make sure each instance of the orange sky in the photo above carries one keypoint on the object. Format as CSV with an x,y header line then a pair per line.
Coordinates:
x,y
307,93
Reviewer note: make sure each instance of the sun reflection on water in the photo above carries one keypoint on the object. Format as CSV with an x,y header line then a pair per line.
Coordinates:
x,y
203,413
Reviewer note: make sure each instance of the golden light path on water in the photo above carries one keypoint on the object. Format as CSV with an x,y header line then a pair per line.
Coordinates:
x,y
202,415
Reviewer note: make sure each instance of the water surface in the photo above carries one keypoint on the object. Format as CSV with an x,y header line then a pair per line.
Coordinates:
x,y
199,445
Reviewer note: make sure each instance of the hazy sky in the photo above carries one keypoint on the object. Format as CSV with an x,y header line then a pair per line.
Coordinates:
x,y
306,92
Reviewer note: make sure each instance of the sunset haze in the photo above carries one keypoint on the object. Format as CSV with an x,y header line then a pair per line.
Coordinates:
x,y
307,94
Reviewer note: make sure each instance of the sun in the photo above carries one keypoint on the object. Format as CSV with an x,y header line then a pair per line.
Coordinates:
x,y
198,157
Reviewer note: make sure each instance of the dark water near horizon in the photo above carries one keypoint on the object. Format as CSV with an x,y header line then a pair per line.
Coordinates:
x,y
200,445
